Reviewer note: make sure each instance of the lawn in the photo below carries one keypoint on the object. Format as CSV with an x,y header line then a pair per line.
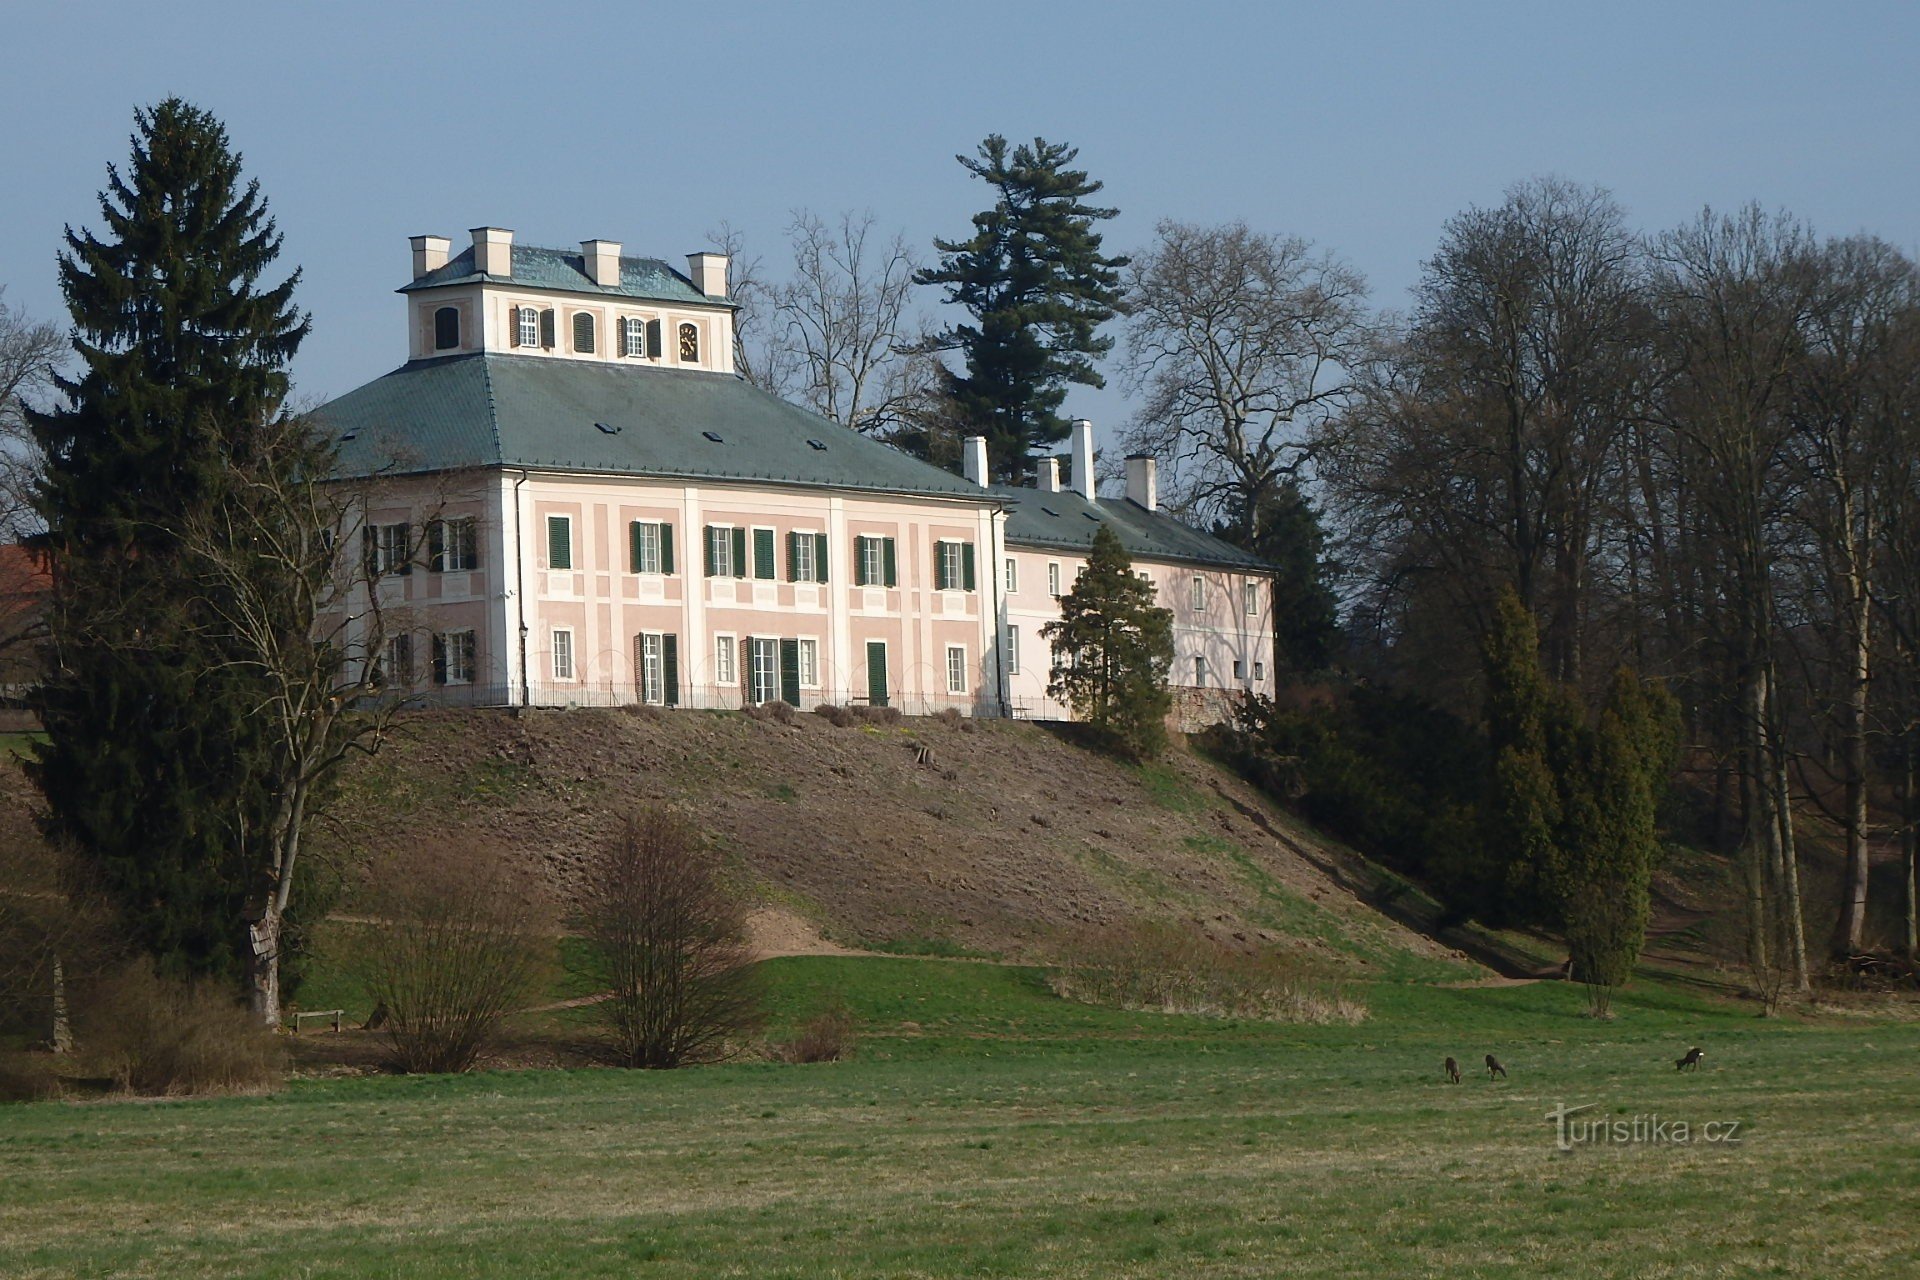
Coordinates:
x,y
987,1128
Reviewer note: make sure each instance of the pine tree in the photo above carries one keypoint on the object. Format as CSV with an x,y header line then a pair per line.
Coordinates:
x,y
149,768
1038,289
1112,650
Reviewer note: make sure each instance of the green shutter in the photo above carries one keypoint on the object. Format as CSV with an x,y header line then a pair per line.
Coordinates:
x,y
706,545
666,547
559,542
859,562
437,546
739,553
891,566
633,547
763,565
966,565
940,582
793,559
439,659
670,669
790,672
819,557
406,549
876,674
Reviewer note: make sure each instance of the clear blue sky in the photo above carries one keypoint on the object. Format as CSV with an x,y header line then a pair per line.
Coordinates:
x,y
1360,126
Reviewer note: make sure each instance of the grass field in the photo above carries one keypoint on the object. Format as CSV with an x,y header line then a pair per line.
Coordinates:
x,y
987,1128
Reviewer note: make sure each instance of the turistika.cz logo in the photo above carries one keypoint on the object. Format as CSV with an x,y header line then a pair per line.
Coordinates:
x,y
1571,1128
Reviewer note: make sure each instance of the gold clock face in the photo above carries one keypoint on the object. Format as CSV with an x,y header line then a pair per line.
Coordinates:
x,y
689,342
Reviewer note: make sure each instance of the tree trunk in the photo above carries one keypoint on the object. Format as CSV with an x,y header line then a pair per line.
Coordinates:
x,y
1849,932
1759,830
61,1039
1910,845
1786,856
263,962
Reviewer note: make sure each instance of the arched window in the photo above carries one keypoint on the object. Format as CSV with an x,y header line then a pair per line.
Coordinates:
x,y
446,328
689,344
582,331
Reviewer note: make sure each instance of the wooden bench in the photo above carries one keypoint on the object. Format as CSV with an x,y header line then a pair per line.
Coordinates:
x,y
334,1014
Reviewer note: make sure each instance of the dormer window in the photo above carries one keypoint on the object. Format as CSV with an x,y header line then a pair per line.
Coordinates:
x,y
633,337
583,332
689,344
526,327
446,328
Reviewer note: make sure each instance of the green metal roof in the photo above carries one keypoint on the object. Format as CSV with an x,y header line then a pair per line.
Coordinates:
x,y
537,268
496,410
1065,521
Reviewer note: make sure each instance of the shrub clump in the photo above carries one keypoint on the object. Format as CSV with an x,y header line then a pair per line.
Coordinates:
x,y
837,716
168,1037
828,1036
1158,968
777,711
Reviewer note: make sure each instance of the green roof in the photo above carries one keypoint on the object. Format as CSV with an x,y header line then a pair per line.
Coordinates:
x,y
1065,521
545,414
496,410
537,268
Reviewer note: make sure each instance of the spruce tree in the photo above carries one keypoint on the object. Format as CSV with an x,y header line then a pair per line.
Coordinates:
x,y
150,768
1285,531
1038,289
1112,650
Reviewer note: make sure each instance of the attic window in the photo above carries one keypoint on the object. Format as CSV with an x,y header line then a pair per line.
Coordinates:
x,y
612,431
1089,515
713,436
351,435
1050,511
820,445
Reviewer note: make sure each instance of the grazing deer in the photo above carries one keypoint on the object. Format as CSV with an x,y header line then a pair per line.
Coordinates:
x,y
1691,1059
1494,1068
1453,1071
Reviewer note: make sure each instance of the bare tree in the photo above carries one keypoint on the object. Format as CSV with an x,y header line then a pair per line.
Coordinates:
x,y
759,353
669,941
1243,345
845,315
29,354
293,585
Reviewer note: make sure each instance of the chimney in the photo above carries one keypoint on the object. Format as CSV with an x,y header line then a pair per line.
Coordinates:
x,y
976,460
708,271
493,251
602,261
1083,457
429,253
1143,487
1047,475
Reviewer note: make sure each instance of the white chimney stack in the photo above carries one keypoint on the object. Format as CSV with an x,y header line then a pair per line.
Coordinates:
x,y
1047,475
602,258
493,251
1083,457
1143,487
429,253
708,271
976,460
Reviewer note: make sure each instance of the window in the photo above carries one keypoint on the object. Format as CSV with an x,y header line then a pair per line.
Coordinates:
x,y
956,669
453,658
396,663
1251,591
1199,593
763,566
1013,575
764,670
562,653
583,331
875,564
659,669
1200,671
446,328
559,542
387,548
723,668
1053,578
649,547
726,551
806,556
689,344
1013,649
1239,669
953,566
526,327
810,664
452,545
1259,671
633,337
